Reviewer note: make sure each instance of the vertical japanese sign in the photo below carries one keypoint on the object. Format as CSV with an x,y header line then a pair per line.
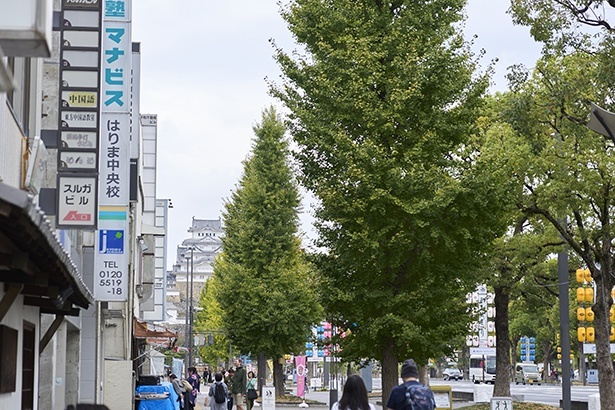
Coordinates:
x,y
79,113
112,238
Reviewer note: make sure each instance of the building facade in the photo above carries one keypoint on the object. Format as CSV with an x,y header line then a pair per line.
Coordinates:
x,y
82,268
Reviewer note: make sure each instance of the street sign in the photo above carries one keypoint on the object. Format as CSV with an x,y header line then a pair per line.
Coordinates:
x,y
268,399
501,403
590,348
485,351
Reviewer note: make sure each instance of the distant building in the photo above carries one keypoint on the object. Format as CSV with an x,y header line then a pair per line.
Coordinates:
x,y
203,246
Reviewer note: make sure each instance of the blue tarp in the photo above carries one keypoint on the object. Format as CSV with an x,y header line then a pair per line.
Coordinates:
x,y
170,403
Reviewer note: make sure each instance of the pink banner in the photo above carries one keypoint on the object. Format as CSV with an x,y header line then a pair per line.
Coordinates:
x,y
301,375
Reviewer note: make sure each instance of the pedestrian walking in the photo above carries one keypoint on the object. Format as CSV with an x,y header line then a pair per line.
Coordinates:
x,y
411,394
229,383
251,392
179,389
239,385
354,396
218,393
190,396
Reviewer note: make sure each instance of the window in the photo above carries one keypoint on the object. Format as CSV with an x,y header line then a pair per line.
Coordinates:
x,y
19,98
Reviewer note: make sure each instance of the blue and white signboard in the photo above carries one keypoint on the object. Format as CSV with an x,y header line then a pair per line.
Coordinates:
x,y
112,238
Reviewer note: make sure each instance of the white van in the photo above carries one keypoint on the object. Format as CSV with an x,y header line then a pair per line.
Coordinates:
x,y
527,373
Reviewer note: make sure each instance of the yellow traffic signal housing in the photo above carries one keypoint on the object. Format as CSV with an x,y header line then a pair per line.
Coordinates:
x,y
589,314
587,275
580,294
580,275
559,349
571,356
581,314
591,335
559,356
589,294
612,335
612,313
581,334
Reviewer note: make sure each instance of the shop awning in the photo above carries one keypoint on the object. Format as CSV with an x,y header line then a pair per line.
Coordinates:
x,y
32,260
147,330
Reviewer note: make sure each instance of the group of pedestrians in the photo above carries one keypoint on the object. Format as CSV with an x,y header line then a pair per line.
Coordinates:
x,y
235,387
187,389
410,395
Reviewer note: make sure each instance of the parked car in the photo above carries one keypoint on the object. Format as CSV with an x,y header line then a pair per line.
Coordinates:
x,y
452,373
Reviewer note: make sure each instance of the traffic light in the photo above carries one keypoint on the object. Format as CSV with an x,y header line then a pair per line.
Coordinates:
x,y
612,335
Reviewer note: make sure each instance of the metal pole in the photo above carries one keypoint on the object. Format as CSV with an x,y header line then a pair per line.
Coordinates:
x,y
564,322
187,341
191,342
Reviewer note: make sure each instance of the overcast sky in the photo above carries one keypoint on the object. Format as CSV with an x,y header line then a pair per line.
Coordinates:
x,y
203,70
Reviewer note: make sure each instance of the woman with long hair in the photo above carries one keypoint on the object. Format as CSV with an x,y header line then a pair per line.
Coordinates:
x,y
251,393
354,396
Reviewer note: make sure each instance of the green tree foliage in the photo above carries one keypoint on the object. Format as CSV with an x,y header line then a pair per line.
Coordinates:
x,y
382,103
565,24
209,322
266,289
566,171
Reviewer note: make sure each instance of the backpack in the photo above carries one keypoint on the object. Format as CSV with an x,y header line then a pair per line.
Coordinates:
x,y
419,397
219,394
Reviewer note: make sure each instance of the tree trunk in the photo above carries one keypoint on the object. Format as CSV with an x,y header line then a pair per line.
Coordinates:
x,y
390,375
262,372
604,361
502,353
278,377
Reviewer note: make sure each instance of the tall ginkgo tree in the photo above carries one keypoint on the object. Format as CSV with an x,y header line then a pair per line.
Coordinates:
x,y
266,288
383,97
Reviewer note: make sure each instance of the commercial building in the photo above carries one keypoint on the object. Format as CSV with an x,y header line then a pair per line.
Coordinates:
x,y
82,234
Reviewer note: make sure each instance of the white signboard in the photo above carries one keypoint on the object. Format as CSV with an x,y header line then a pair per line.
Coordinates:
x,y
112,238
590,348
80,38
268,399
485,351
79,119
72,58
114,167
442,400
501,403
116,66
78,18
112,253
79,139
78,160
80,79
77,201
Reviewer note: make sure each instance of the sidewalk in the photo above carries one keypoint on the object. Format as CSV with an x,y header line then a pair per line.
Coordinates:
x,y
322,397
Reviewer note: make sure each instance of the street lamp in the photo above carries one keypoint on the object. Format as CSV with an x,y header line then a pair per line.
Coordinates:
x,y
602,121
189,342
